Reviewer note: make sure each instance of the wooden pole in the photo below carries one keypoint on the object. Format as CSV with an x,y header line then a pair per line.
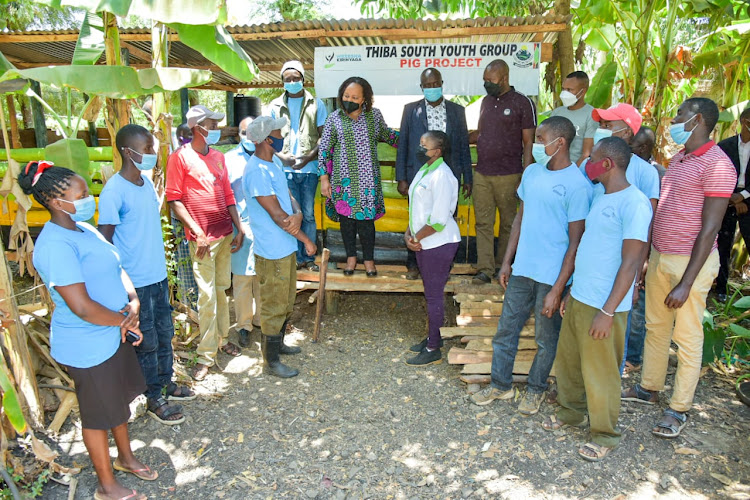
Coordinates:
x,y
321,292
40,127
230,109
14,136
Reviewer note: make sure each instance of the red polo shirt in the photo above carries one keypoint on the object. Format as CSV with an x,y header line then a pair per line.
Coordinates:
x,y
690,178
201,183
500,142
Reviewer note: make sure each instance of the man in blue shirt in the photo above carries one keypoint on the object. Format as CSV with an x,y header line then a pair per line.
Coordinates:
x,y
592,338
275,217
306,116
245,287
129,218
539,261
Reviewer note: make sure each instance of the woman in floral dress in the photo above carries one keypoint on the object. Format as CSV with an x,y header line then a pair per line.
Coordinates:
x,y
350,170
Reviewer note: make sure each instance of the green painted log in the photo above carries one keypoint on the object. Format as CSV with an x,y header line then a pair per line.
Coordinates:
x,y
25,155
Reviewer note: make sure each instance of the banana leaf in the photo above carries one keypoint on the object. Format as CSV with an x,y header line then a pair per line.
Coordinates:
x,y
600,92
218,46
11,406
117,82
165,11
90,43
72,154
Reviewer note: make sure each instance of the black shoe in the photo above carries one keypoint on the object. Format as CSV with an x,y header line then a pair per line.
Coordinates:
x,y
371,274
422,346
348,272
481,279
721,297
425,358
311,266
271,347
412,274
244,337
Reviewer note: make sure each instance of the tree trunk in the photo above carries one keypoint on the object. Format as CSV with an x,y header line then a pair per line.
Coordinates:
x,y
161,105
565,47
118,111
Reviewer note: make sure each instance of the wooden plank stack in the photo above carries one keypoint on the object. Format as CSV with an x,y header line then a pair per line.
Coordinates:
x,y
477,323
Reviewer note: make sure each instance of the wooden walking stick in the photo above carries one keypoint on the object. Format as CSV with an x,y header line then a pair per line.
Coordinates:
x,y
321,292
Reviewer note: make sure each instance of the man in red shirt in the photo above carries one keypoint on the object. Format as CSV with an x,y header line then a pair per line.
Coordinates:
x,y
200,195
684,261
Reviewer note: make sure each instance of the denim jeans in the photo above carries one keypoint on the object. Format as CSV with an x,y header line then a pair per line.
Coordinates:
x,y
303,188
155,352
636,333
522,296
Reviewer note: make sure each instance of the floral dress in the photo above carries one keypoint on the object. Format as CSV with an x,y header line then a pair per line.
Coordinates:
x,y
349,156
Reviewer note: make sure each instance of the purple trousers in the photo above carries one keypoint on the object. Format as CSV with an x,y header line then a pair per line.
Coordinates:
x,y
435,268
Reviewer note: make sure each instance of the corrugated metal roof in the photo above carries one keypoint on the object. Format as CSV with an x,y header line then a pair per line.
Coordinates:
x,y
270,45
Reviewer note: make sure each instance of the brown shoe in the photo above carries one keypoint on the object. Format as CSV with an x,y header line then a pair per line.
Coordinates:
x,y
199,371
412,274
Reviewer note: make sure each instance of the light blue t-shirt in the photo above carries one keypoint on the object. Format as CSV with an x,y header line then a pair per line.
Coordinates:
x,y
624,215
134,210
264,178
640,174
65,257
294,104
551,200
243,261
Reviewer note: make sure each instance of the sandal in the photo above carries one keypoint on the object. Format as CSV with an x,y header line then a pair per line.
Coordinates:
x,y
596,452
161,411
231,349
638,394
146,474
176,392
631,368
133,496
199,371
670,430
552,423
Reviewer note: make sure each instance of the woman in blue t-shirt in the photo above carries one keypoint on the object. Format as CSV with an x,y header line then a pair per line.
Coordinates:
x,y
95,320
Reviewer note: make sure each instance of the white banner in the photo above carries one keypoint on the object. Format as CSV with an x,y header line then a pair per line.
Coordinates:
x,y
395,69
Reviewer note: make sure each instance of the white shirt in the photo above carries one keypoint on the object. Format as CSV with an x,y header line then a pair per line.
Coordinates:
x,y
433,195
436,116
744,151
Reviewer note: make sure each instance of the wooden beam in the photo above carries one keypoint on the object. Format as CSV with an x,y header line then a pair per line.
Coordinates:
x,y
143,37
546,55
281,35
41,37
135,51
217,86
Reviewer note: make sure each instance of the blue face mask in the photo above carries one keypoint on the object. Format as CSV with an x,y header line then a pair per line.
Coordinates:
x,y
539,152
433,94
212,137
85,208
603,133
679,135
293,87
248,145
148,161
276,143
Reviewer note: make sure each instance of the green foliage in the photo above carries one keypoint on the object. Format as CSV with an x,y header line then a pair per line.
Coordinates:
x,y
25,15
218,46
165,11
90,43
466,8
724,338
11,405
28,490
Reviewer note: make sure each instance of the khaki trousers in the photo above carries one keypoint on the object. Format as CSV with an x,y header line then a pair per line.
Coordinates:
x,y
683,325
588,372
493,193
278,287
246,301
213,277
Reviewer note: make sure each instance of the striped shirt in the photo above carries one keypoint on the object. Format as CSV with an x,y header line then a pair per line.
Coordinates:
x,y
690,178
201,183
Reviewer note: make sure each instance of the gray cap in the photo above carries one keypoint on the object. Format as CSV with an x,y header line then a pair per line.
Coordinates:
x,y
197,114
261,127
295,65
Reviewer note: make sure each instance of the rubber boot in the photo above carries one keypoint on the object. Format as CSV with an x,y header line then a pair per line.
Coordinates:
x,y
287,349
270,346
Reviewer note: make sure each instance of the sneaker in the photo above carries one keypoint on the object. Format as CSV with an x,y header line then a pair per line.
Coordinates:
x,y
422,346
489,394
481,279
425,358
412,274
530,403
244,337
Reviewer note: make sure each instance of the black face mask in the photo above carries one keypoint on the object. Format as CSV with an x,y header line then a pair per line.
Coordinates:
x,y
492,88
422,157
349,106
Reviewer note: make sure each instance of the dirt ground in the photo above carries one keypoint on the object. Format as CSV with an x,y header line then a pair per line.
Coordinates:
x,y
359,423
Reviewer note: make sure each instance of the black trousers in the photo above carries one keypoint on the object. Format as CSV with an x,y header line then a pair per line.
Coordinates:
x,y
725,241
366,230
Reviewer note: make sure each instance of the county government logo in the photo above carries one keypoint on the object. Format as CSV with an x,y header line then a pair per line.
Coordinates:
x,y
523,58
329,60
332,58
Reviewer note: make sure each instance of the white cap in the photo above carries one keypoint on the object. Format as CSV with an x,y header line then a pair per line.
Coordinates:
x,y
295,65
197,114
261,127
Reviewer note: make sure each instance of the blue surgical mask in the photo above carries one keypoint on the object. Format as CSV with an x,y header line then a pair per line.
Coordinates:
x,y
85,208
248,145
433,94
276,143
212,137
603,133
539,152
679,135
293,87
148,161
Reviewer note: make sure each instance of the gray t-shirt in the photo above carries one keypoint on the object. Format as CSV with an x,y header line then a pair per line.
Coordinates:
x,y
584,124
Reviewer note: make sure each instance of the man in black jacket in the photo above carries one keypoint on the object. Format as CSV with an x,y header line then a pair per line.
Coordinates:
x,y
737,149
433,112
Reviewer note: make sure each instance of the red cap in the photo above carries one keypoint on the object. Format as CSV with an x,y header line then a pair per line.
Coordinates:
x,y
622,111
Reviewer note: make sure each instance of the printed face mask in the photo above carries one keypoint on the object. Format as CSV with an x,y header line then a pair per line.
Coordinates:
x,y
293,87
85,208
595,169
568,98
539,152
148,161
433,94
679,135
